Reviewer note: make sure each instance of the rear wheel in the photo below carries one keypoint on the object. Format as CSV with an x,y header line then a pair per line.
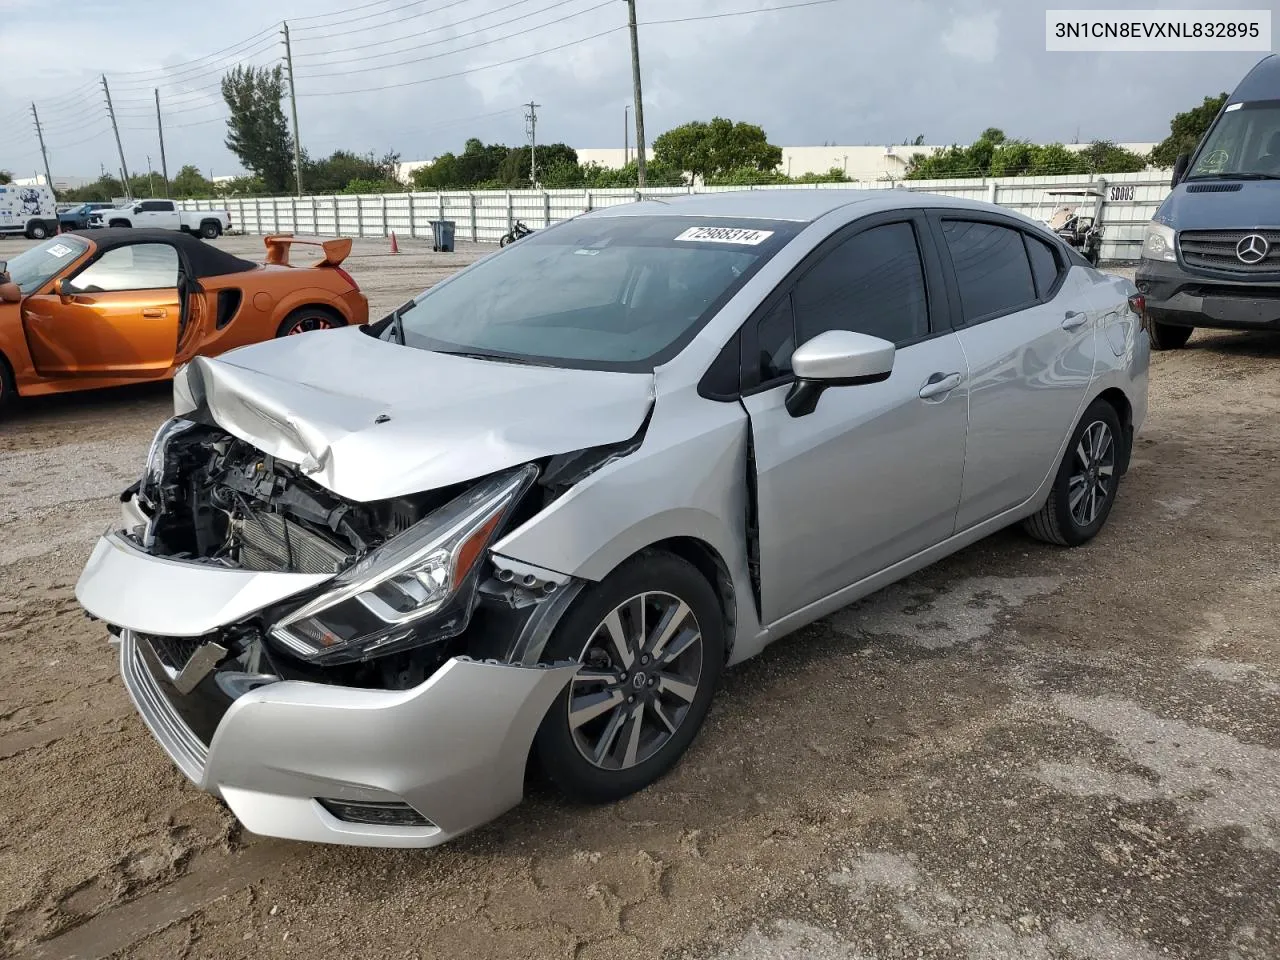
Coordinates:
x,y
1166,336
36,230
650,638
1085,487
306,319
211,229
120,223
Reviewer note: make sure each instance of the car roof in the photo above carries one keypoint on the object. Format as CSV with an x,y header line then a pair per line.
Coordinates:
x,y
202,259
1260,83
800,205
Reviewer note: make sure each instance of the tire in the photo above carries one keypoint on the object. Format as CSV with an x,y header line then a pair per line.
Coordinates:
x,y
8,390
119,223
211,229
1064,520
627,764
505,240
1166,336
305,319
36,230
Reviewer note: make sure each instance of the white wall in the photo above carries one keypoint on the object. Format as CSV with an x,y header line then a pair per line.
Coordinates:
x,y
484,216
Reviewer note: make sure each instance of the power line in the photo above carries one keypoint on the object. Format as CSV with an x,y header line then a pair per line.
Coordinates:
x,y
470,70
363,6
740,13
423,33
208,56
447,53
372,16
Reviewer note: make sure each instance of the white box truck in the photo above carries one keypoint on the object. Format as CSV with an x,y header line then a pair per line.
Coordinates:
x,y
30,211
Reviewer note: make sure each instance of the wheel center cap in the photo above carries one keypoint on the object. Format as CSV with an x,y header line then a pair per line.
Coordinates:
x,y
638,681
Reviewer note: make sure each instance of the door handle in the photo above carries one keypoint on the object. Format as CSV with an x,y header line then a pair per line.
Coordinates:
x,y
1073,319
938,384
155,313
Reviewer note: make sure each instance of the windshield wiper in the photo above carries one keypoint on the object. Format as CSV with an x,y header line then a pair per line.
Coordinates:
x,y
499,357
1248,175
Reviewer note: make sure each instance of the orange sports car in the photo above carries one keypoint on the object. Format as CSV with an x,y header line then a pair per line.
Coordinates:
x,y
109,307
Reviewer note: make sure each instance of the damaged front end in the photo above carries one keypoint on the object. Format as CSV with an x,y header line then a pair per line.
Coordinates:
x,y
336,671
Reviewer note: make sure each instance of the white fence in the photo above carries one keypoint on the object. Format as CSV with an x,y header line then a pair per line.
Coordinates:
x,y
1129,201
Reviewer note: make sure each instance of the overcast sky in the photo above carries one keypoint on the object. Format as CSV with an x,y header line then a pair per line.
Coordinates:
x,y
847,72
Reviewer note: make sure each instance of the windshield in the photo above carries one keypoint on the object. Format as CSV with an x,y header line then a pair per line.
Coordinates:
x,y
623,293
1244,142
33,268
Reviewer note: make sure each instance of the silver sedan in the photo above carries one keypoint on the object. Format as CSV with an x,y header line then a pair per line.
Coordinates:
x,y
367,577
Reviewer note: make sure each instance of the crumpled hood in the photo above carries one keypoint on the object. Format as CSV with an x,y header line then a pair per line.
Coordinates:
x,y
1255,205
369,419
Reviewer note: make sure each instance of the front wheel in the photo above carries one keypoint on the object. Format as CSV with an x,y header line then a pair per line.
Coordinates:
x,y
1085,487
650,638
1166,336
506,238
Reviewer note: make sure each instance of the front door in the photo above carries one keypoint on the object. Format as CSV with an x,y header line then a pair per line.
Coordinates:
x,y
118,316
873,474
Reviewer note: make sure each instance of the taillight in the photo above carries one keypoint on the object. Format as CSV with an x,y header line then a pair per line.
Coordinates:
x,y
347,277
1138,304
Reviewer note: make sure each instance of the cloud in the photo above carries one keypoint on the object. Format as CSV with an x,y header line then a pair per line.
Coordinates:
x,y
975,37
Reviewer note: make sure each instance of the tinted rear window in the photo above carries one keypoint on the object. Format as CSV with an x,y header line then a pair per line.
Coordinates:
x,y
992,270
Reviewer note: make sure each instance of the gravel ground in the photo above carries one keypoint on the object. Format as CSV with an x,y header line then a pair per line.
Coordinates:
x,y
1023,753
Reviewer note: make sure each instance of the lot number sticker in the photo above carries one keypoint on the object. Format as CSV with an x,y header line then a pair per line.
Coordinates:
x,y
749,238
60,250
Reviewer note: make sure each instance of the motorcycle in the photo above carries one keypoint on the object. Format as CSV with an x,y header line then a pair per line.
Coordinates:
x,y
518,231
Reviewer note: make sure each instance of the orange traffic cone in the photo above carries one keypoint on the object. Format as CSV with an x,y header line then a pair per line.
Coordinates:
x,y
395,247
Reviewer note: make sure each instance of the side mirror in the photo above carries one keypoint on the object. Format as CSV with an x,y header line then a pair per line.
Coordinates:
x,y
1180,168
138,208
10,292
63,290
837,358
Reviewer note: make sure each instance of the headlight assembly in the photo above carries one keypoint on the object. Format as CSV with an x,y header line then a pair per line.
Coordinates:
x,y
414,589
1157,243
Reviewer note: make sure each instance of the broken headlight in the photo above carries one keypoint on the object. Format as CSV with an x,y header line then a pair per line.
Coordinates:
x,y
414,589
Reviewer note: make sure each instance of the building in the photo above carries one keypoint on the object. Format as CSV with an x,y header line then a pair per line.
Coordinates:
x,y
59,183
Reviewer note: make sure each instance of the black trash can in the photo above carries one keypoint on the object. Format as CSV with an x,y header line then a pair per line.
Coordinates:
x,y
442,232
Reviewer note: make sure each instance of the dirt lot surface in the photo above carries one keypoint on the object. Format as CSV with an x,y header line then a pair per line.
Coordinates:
x,y
1024,753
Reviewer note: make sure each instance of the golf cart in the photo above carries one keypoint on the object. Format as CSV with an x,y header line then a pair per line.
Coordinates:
x,y
1075,219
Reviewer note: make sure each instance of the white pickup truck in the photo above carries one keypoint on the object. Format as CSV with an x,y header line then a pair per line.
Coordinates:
x,y
164,215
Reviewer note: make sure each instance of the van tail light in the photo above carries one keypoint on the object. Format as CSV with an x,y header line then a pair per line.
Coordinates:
x,y
347,277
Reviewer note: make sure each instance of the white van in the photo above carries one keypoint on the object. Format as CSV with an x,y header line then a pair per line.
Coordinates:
x,y
30,211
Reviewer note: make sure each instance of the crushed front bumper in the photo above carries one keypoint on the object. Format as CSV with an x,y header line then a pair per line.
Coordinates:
x,y
453,748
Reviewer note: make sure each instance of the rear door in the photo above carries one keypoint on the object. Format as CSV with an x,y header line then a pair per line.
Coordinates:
x,y
119,315
873,474
1027,330
162,214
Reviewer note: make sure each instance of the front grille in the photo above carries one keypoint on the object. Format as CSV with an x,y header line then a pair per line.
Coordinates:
x,y
269,542
1216,250
173,652
164,722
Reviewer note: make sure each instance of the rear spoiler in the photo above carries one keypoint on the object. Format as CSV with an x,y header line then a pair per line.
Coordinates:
x,y
335,251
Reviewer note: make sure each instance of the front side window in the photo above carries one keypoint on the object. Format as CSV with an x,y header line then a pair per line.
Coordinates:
x,y
872,283
621,293
139,266
992,269
1244,142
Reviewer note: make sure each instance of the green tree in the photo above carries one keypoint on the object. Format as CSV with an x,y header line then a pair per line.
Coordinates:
x,y
834,175
335,173
6,176
103,190
1185,131
256,130
1103,156
242,187
190,183
478,163
744,176
514,170
709,150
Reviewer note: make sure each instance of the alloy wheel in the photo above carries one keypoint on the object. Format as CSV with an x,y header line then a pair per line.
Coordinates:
x,y
304,324
639,677
1092,482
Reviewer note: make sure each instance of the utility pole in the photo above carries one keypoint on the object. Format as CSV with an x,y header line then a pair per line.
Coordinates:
x,y
164,167
48,178
635,83
124,167
293,107
626,134
151,177
531,126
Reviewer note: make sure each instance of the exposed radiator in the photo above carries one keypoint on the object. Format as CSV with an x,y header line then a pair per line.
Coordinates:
x,y
269,542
